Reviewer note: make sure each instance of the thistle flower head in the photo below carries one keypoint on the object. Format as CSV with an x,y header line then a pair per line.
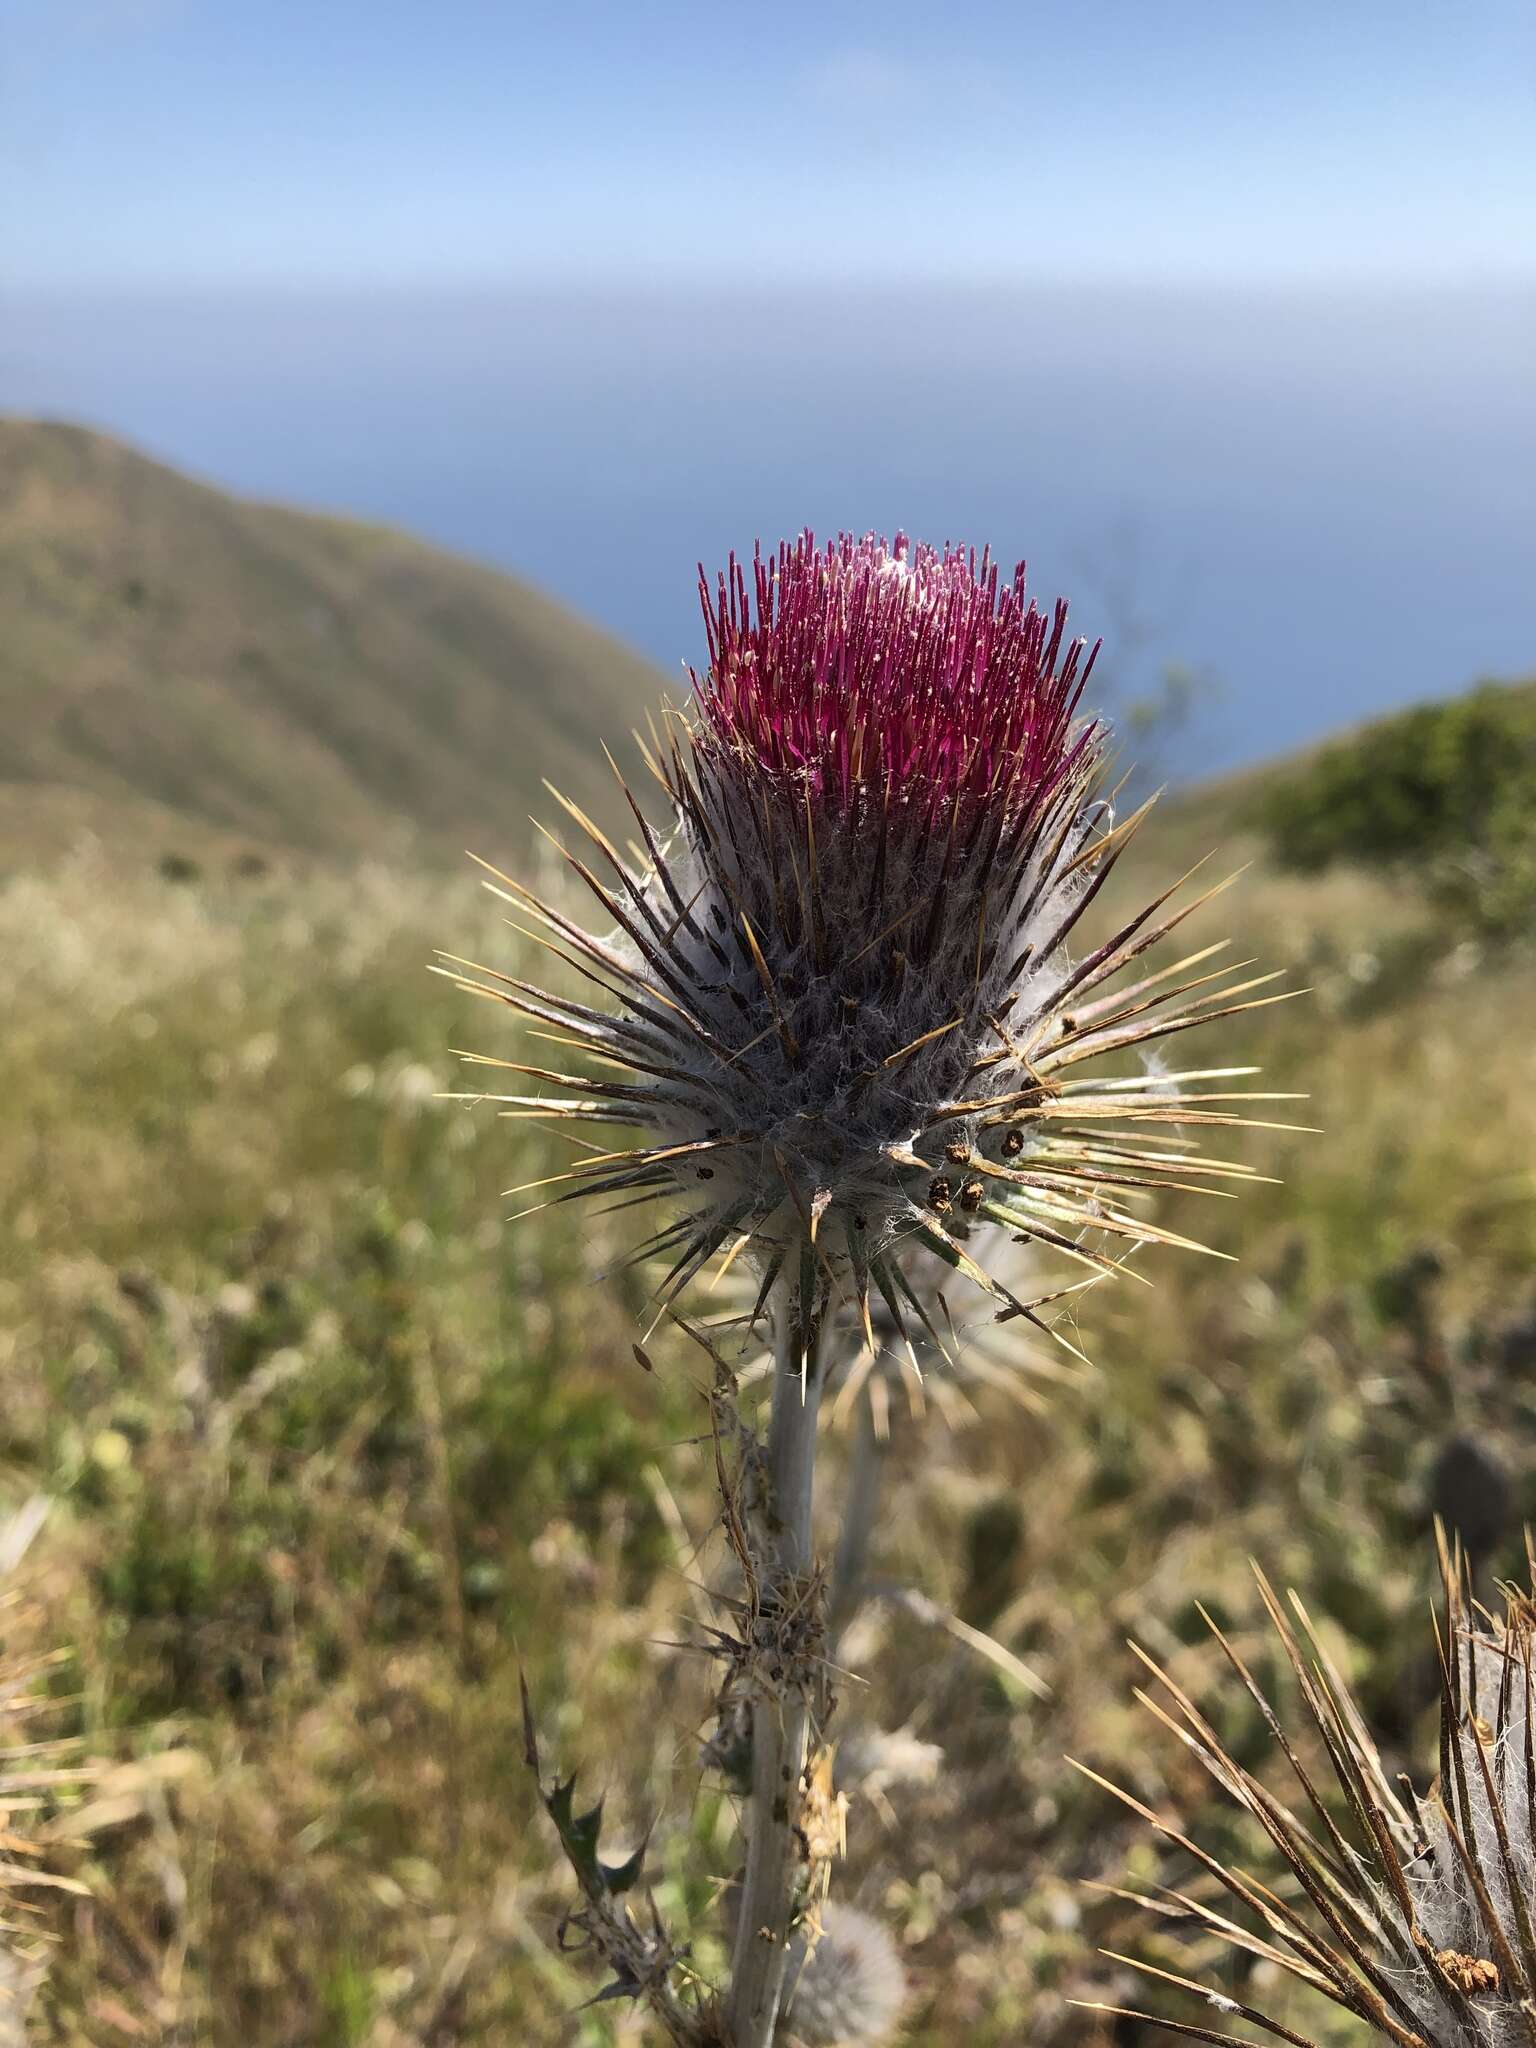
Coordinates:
x,y
838,1000
1417,1915
846,1988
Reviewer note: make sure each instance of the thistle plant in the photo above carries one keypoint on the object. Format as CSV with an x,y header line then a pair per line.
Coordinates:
x,y
1416,1915
835,1024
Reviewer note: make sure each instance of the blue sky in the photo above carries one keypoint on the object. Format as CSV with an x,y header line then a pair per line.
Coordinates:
x,y
167,142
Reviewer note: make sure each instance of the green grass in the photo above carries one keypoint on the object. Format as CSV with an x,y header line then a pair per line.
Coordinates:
x,y
335,1453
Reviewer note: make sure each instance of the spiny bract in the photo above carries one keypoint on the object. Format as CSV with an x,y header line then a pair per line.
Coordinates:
x,y
839,1005
1416,1915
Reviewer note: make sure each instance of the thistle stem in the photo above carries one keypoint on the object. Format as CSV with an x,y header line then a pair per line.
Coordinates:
x,y
781,1720
866,1473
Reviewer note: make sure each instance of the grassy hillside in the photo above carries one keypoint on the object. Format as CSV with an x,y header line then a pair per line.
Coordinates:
x,y
180,669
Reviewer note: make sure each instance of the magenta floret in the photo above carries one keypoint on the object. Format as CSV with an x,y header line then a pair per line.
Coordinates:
x,y
860,663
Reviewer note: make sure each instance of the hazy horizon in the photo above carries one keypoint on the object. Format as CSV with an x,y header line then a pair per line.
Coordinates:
x,y
1324,499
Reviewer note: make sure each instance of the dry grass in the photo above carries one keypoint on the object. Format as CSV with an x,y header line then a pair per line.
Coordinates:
x,y
332,1453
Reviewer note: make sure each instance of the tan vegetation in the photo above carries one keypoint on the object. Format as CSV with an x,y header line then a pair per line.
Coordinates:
x,y
333,1454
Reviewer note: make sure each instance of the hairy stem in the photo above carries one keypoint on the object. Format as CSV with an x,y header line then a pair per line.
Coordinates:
x,y
781,1718
866,1472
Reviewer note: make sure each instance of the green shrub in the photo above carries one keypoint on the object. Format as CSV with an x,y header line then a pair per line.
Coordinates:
x,y
1445,793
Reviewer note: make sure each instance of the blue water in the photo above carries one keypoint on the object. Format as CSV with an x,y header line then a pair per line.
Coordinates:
x,y
1326,501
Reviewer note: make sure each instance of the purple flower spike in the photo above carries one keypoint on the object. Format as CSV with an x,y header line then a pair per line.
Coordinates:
x,y
842,1011
866,665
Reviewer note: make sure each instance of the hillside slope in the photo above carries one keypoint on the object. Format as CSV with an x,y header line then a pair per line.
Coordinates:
x,y
178,665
